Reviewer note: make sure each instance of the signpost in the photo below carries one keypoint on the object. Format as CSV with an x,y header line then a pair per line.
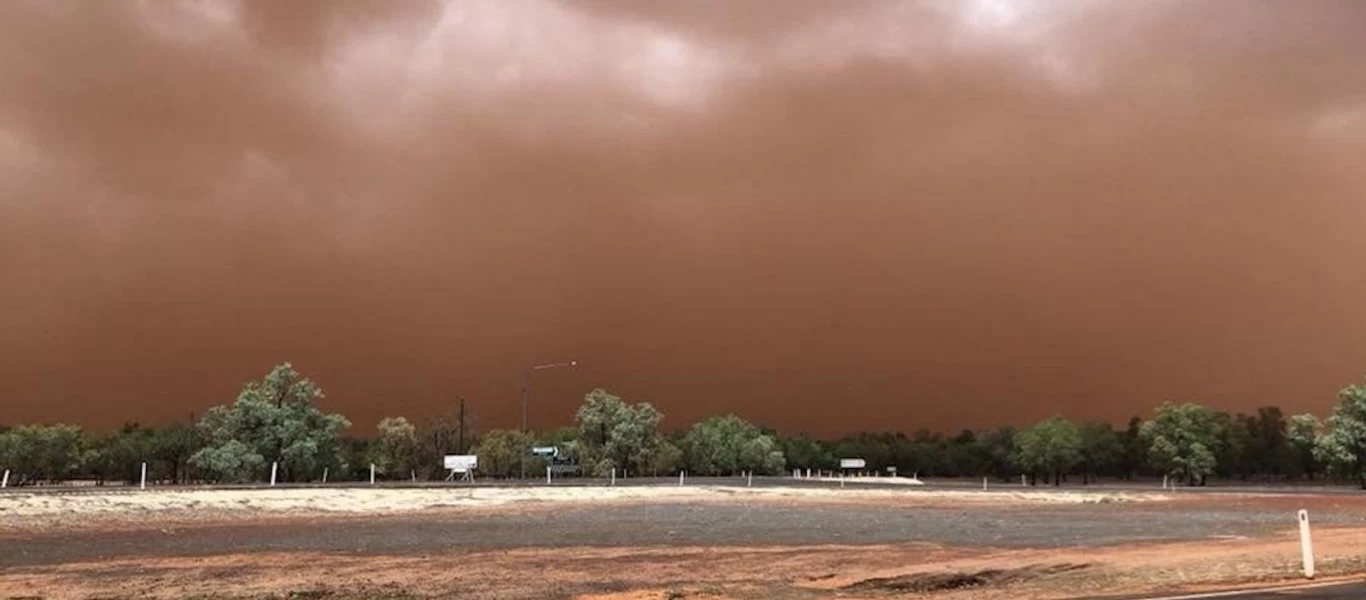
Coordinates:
x,y
461,464
853,463
550,451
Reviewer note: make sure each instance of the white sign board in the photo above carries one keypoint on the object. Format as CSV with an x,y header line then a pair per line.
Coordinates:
x,y
852,463
460,463
545,451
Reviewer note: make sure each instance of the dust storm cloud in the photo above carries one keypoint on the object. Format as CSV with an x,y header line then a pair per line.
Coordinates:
x,y
822,216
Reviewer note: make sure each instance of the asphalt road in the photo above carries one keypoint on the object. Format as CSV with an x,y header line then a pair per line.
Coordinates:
x,y
1334,591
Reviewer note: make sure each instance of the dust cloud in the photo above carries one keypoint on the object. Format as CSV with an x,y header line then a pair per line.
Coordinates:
x,y
821,216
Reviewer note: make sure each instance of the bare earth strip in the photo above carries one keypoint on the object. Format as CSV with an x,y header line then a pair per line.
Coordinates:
x,y
628,543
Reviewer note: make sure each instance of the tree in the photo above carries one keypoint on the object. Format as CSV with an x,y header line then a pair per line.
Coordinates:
x,y
1233,452
728,445
1302,435
1269,449
1102,451
805,452
1052,445
50,453
273,420
1182,440
354,456
667,459
441,435
119,455
615,434
1135,451
171,448
501,452
1343,447
395,451
874,448
961,453
996,449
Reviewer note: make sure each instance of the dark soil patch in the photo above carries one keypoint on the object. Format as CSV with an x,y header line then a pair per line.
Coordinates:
x,y
921,583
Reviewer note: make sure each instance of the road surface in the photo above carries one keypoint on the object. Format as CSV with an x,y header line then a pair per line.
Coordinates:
x,y
1352,590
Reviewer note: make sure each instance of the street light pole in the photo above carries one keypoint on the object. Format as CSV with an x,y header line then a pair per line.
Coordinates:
x,y
526,394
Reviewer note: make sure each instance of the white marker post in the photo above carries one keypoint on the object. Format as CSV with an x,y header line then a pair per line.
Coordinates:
x,y
1306,545
984,484
413,474
372,473
680,478
324,474
143,484
749,479
275,466
1164,481
547,474
1022,480
614,476
841,480
4,482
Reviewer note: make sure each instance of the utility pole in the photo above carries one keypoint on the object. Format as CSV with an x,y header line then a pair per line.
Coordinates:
x,y
526,386
460,447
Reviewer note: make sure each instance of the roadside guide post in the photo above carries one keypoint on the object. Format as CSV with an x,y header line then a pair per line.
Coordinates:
x,y
1306,545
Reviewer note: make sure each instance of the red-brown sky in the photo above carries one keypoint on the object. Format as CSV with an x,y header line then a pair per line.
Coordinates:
x,y
819,215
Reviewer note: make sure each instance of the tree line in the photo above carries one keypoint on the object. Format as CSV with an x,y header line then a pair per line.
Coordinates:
x,y
278,420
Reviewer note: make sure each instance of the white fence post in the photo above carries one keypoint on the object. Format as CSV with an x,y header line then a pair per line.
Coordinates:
x,y
372,473
142,485
1306,545
4,482
274,466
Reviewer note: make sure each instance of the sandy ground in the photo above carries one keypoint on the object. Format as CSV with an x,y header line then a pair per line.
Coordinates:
x,y
659,543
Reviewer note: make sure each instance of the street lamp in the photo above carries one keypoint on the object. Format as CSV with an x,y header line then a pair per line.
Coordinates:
x,y
526,386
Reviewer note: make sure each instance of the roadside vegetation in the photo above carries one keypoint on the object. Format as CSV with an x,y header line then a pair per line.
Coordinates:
x,y
281,419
